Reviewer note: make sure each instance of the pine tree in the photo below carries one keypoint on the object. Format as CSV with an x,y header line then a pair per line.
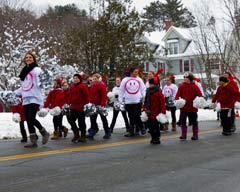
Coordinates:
x,y
156,13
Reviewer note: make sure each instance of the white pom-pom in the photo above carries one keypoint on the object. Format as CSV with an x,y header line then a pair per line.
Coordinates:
x,y
180,103
162,118
218,107
237,105
199,102
144,116
16,117
43,112
55,111
211,105
110,96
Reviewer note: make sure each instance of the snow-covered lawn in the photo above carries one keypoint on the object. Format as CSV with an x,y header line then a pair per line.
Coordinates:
x,y
10,129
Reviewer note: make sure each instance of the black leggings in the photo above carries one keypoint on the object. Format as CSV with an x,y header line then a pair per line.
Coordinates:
x,y
134,113
154,130
192,117
57,123
80,116
22,129
115,115
30,112
94,124
226,118
173,113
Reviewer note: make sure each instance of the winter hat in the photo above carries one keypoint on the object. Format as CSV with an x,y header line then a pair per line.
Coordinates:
x,y
223,79
196,79
154,80
78,76
59,82
189,76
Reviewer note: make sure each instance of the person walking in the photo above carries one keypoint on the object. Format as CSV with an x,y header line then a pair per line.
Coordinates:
x,y
132,92
32,98
19,117
116,108
169,92
78,97
154,105
227,94
55,99
98,97
188,91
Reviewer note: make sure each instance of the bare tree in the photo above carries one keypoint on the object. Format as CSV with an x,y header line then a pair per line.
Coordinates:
x,y
217,37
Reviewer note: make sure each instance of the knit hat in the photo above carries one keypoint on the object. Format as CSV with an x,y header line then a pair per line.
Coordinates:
x,y
154,80
189,76
223,79
78,76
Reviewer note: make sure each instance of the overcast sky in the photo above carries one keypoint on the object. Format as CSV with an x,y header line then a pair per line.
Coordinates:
x,y
139,4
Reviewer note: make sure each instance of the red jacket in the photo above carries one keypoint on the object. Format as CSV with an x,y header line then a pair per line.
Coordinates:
x,y
55,98
78,97
98,94
66,94
19,109
188,91
227,95
157,105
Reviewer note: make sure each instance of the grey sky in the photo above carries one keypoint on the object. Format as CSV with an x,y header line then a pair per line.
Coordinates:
x,y
139,4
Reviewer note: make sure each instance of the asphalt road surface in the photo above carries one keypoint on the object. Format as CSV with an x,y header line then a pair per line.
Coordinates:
x,y
125,164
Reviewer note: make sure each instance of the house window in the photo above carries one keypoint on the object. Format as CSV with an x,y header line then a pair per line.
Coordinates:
x,y
147,66
186,65
173,48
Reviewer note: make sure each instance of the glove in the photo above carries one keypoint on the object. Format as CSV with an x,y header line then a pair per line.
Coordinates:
x,y
162,118
180,103
16,117
144,116
43,112
55,111
199,102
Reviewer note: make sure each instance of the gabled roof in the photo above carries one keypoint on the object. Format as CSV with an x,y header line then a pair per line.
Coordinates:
x,y
182,32
155,37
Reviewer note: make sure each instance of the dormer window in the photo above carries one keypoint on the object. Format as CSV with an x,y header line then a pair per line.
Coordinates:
x,y
173,46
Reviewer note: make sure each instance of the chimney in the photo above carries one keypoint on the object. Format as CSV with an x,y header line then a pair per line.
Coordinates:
x,y
167,23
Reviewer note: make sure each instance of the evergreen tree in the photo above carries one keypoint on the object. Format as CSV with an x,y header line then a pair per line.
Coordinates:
x,y
156,13
112,42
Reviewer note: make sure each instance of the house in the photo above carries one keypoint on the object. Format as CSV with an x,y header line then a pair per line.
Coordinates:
x,y
178,53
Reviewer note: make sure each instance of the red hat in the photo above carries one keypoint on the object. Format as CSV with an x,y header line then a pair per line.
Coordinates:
x,y
196,79
104,78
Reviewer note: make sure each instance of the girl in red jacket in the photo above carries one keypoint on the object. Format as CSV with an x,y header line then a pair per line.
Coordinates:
x,y
18,116
188,91
55,99
98,96
227,94
78,97
154,105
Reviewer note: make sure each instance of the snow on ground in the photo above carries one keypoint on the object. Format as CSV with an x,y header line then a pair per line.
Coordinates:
x,y
10,129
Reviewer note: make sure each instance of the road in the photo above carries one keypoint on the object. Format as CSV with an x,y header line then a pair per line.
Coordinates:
x,y
125,164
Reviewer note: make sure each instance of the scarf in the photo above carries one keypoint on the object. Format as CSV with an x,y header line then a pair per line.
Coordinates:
x,y
149,92
27,69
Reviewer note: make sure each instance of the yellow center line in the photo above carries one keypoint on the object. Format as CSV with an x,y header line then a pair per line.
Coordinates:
x,y
93,147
